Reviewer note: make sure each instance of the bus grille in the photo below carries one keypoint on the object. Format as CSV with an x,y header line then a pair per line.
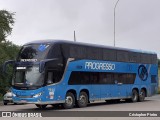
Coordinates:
x,y
25,96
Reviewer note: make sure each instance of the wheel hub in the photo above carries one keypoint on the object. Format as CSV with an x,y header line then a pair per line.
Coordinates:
x,y
82,99
69,100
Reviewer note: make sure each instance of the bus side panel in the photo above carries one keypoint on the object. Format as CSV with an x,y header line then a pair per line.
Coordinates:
x,y
95,93
105,91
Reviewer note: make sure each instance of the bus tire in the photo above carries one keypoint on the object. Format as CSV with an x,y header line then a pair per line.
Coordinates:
x,y
142,95
83,99
41,106
134,97
5,103
69,101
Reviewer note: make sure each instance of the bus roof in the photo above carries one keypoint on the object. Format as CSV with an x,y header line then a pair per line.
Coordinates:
x,y
53,41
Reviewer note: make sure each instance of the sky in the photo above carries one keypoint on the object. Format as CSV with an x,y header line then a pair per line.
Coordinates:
x,y
137,22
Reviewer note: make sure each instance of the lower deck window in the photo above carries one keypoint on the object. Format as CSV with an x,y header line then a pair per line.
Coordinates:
x,y
77,78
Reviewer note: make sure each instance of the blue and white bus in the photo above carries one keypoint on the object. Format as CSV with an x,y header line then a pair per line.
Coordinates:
x,y
52,72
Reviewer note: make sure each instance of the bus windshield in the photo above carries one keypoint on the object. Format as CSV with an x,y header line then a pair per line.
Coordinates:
x,y
34,53
28,76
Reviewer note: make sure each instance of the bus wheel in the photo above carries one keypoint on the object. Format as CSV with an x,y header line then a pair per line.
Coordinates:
x,y
69,101
83,99
41,106
142,95
134,96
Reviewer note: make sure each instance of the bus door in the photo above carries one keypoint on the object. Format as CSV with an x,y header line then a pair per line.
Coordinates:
x,y
118,90
116,87
95,87
104,87
110,86
105,91
114,91
122,88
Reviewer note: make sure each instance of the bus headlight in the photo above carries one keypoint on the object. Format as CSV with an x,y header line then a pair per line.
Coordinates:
x,y
14,95
37,95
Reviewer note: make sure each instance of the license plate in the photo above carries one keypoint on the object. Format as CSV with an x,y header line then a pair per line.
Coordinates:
x,y
23,101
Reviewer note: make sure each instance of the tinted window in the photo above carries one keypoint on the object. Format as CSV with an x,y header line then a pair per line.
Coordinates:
x,y
154,59
122,56
109,54
37,52
77,78
122,78
102,78
55,52
53,76
65,51
89,52
94,53
77,52
134,57
146,58
126,78
110,78
94,77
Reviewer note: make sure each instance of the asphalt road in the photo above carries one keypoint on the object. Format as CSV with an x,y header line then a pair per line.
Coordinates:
x,y
150,104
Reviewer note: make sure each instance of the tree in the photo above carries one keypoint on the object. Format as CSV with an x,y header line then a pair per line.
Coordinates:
x,y
6,23
8,50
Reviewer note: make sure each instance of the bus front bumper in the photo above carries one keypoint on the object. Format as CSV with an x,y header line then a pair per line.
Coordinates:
x,y
38,102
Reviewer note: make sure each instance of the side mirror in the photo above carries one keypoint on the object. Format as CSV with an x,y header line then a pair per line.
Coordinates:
x,y
41,66
43,63
6,63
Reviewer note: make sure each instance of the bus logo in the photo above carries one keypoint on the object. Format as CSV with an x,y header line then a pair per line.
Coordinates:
x,y
142,72
42,48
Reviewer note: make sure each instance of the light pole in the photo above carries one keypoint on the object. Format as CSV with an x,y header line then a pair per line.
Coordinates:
x,y
74,36
115,22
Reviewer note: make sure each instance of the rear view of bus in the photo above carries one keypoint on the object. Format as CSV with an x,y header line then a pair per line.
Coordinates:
x,y
68,73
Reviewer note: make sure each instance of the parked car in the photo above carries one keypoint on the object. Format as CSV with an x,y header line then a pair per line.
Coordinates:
x,y
7,98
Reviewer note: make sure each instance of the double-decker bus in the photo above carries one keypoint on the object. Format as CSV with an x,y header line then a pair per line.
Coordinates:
x,y
52,72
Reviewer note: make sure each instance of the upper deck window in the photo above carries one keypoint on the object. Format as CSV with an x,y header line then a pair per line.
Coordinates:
x,y
34,52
